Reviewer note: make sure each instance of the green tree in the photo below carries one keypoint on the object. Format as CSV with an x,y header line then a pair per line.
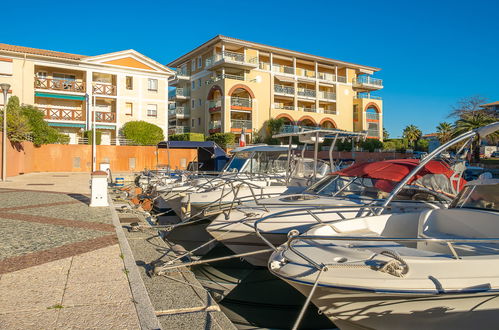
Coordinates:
x,y
472,121
444,131
222,139
41,132
18,128
142,133
422,145
386,135
187,137
372,144
412,134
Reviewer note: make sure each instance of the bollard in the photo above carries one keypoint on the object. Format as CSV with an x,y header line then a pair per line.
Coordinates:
x,y
99,189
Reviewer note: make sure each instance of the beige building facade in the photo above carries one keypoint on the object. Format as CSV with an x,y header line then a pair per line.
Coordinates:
x,y
231,85
72,89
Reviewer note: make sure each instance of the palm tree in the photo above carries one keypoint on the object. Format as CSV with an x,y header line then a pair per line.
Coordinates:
x,y
412,134
444,132
470,122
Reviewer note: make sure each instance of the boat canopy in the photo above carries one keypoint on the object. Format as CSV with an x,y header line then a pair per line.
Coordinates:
x,y
210,156
435,175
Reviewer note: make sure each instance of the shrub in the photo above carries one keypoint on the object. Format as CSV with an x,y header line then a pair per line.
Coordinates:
x,y
222,139
41,132
142,133
187,137
18,128
372,144
422,145
89,136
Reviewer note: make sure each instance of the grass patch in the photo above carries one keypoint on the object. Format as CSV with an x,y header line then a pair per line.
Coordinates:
x,y
56,306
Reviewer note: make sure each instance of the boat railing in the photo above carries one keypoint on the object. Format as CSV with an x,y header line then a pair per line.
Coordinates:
x,y
294,236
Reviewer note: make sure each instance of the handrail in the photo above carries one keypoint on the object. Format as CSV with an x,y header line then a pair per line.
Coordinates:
x,y
292,237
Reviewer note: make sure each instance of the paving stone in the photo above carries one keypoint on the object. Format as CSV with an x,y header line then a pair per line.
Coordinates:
x,y
76,211
23,198
21,237
78,294
26,296
45,319
108,316
50,272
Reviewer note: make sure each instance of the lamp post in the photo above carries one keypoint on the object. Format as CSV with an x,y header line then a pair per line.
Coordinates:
x,y
5,89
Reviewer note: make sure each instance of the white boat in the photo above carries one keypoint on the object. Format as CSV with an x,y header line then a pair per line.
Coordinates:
x,y
436,269
355,191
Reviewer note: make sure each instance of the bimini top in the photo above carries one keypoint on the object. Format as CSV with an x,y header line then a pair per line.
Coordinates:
x,y
261,148
217,151
391,171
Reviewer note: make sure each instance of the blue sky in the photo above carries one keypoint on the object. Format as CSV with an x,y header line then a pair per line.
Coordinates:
x,y
432,53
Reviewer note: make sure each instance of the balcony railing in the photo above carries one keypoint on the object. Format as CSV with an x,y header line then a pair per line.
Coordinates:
x,y
182,92
232,57
368,96
279,106
240,102
372,116
305,73
178,130
329,111
283,69
306,92
264,66
215,104
104,89
237,123
327,95
105,117
342,79
60,84
372,133
182,72
215,124
182,111
52,113
281,89
307,109
224,76
326,76
368,80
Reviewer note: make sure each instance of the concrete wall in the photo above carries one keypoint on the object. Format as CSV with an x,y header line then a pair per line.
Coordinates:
x,y
26,158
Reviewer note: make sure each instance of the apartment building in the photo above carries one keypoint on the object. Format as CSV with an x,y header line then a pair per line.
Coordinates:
x,y
116,88
231,85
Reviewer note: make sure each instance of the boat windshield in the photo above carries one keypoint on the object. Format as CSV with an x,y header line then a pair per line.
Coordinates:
x,y
365,188
483,197
262,162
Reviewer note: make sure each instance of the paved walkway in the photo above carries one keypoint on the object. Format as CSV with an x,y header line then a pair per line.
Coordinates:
x,y
60,264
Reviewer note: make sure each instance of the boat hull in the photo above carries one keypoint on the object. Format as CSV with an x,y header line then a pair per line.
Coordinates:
x,y
352,309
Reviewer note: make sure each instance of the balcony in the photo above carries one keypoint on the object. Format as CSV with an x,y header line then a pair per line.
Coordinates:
x,y
283,69
373,133
239,124
372,116
179,93
326,76
62,113
179,112
279,106
304,92
225,76
231,59
328,111
178,130
307,109
368,83
105,117
284,90
310,74
368,96
60,85
215,105
104,89
327,95
241,103
341,79
215,126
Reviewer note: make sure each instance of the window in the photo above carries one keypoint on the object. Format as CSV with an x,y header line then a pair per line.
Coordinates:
x,y
41,74
192,123
152,110
129,109
129,82
199,82
200,62
193,65
199,121
193,85
200,102
63,76
152,85
193,104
